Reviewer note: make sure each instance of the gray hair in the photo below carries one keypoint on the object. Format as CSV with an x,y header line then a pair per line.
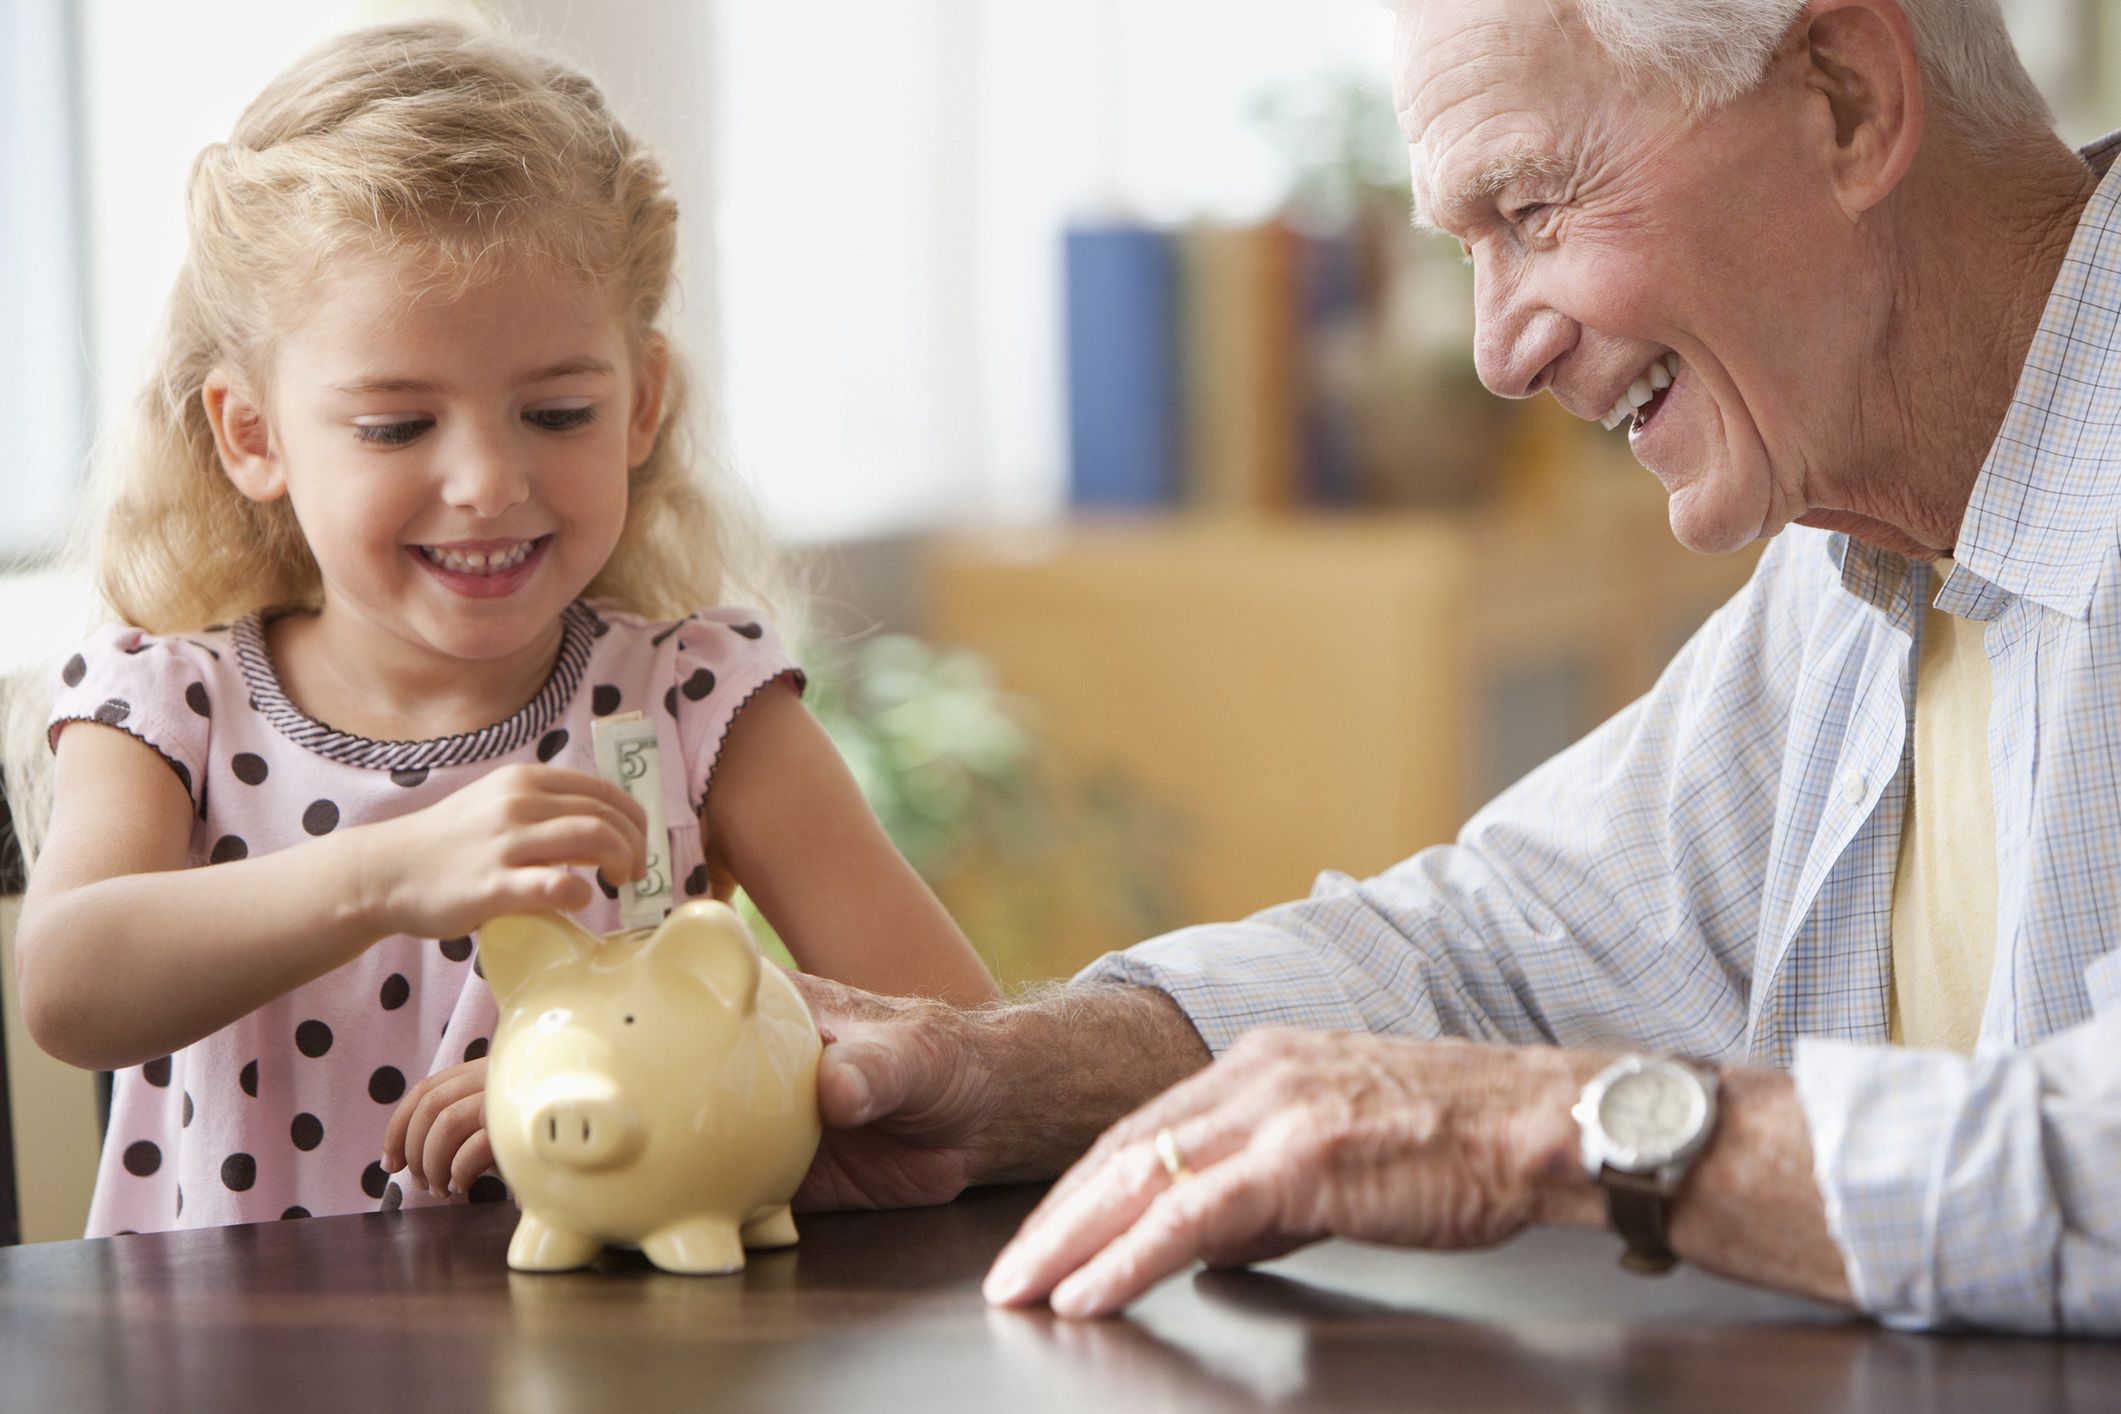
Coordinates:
x,y
1713,51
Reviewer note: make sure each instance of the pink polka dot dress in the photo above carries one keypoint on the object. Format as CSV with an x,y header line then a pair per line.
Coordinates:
x,y
281,1114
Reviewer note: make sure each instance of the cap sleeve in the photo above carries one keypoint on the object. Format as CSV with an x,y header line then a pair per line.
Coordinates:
x,y
724,658
152,689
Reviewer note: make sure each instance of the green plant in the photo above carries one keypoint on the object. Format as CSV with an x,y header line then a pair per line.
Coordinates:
x,y
969,792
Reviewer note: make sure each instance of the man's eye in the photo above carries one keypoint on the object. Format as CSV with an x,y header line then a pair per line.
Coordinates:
x,y
392,434
561,419
1531,217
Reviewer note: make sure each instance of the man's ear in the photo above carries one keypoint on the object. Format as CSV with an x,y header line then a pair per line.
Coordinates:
x,y
242,437
651,372
1861,66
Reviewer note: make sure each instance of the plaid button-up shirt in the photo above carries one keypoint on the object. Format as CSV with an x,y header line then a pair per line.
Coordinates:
x,y
1711,872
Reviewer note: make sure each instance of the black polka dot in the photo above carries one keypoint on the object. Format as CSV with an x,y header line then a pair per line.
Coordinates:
x,y
699,684
183,774
186,1122
249,768
312,1038
239,1172
751,631
670,701
295,1212
488,1189
604,700
156,1072
393,1198
409,779
395,991
204,787
227,848
140,647
456,949
321,818
249,1080
476,1049
386,1085
478,967
114,711
142,1159
552,744
180,1200
696,881
598,628
76,669
195,698
127,1232
610,890
374,1180
307,1131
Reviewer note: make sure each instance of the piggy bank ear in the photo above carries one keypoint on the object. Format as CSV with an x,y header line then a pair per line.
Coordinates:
x,y
516,948
707,940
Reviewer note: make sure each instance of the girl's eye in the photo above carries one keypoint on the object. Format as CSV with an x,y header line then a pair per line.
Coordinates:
x,y
561,419
392,434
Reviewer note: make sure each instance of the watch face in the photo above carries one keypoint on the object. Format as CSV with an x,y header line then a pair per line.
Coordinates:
x,y
1652,1111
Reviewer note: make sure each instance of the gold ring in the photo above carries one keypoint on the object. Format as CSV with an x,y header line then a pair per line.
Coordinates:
x,y
1167,1150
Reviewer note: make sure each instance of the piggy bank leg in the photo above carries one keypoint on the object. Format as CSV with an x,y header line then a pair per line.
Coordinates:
x,y
698,1247
774,1229
541,1246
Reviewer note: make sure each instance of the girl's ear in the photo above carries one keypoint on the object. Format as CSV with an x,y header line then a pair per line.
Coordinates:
x,y
651,370
242,438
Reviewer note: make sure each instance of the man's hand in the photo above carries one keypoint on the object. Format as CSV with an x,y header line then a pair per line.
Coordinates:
x,y
921,1100
1295,1136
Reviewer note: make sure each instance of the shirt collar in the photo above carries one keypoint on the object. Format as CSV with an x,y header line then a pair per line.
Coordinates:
x,y
2042,516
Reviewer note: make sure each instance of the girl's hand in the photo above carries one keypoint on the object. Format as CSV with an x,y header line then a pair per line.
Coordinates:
x,y
500,845
438,1131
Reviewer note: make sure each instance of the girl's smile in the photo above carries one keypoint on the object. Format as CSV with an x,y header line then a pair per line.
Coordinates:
x,y
483,569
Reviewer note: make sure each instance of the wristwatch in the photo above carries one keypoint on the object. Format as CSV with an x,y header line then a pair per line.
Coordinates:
x,y
1644,1120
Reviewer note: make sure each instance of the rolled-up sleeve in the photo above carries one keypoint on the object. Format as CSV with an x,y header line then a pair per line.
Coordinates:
x,y
1983,1191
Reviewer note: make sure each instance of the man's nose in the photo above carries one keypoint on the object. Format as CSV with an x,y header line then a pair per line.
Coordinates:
x,y
486,476
1516,343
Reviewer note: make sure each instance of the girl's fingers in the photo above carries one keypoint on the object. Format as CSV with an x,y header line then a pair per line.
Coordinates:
x,y
560,782
574,839
473,1159
452,1125
415,1116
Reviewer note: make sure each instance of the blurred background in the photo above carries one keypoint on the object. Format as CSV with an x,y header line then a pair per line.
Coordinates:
x,y
1165,548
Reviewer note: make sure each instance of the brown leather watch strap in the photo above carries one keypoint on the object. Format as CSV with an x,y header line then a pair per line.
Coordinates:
x,y
1638,1206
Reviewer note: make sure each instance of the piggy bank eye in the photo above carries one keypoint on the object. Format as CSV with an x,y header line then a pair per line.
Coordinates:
x,y
629,1021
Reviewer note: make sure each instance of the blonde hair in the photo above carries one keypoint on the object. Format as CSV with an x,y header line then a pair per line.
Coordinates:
x,y
426,140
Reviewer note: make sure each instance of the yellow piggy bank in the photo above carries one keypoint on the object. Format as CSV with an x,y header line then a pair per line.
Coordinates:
x,y
655,1088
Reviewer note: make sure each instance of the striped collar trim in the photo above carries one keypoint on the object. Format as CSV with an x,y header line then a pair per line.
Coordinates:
x,y
579,629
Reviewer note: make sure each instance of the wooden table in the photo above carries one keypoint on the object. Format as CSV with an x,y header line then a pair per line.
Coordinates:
x,y
881,1311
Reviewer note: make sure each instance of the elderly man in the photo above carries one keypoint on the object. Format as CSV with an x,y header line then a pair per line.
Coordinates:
x,y
1856,858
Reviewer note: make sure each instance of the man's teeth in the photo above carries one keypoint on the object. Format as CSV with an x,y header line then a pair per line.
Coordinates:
x,y
1654,380
479,561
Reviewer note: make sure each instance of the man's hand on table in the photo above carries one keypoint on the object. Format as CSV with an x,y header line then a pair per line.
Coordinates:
x,y
1295,1136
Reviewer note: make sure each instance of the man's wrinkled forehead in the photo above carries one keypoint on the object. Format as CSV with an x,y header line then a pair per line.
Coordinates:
x,y
1456,65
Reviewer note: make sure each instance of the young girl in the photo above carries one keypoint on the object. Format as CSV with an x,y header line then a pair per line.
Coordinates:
x,y
408,510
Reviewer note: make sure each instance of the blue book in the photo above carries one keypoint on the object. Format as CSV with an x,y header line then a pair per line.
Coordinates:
x,y
1121,289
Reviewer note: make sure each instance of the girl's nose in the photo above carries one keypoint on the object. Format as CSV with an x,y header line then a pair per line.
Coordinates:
x,y
485,477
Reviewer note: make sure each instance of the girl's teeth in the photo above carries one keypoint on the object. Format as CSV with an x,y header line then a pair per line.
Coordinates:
x,y
479,561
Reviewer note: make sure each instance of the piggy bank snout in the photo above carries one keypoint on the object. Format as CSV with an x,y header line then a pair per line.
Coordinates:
x,y
586,1131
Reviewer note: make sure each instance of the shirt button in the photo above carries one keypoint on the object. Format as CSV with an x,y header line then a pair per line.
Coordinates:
x,y
1854,787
